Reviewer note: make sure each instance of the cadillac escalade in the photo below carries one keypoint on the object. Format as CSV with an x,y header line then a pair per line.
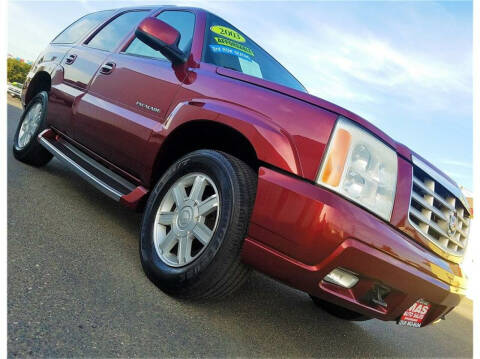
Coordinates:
x,y
175,112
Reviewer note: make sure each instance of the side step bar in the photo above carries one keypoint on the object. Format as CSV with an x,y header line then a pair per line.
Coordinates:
x,y
95,173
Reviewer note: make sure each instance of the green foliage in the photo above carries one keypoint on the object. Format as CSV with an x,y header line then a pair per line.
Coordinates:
x,y
17,71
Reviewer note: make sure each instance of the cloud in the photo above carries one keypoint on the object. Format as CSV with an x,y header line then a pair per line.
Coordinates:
x,y
348,68
456,163
355,65
87,6
377,62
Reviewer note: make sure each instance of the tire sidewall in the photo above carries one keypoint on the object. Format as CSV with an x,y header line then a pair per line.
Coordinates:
x,y
211,164
41,97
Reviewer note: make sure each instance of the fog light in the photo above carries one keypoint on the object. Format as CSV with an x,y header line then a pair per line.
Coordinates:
x,y
342,278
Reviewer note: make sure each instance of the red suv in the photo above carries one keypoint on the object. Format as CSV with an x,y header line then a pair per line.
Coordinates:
x,y
175,112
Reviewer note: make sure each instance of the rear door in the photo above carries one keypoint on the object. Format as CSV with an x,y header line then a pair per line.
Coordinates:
x,y
129,96
70,78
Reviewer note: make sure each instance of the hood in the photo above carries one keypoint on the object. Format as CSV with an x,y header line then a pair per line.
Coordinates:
x,y
401,149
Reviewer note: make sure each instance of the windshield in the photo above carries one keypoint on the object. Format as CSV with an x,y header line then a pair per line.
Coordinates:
x,y
227,47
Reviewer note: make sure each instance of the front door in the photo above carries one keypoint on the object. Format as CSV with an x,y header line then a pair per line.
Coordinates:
x,y
129,97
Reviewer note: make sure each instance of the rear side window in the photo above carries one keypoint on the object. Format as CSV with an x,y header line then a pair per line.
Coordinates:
x,y
81,27
227,47
183,21
112,34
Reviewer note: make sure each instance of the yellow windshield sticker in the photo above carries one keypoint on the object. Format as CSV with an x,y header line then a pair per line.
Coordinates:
x,y
227,32
234,45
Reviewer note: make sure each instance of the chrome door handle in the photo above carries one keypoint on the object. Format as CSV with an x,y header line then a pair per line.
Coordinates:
x,y
70,59
107,68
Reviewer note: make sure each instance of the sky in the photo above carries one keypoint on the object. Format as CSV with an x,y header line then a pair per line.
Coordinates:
x,y
404,66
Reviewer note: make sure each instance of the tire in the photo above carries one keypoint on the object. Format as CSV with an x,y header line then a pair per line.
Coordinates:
x,y
216,269
26,147
339,312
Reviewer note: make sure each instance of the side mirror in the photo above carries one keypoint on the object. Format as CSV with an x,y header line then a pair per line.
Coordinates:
x,y
161,37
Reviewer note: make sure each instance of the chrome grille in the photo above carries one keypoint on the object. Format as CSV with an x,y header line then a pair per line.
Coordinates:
x,y
438,210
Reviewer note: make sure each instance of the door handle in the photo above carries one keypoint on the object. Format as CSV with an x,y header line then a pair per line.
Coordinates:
x,y
107,68
70,59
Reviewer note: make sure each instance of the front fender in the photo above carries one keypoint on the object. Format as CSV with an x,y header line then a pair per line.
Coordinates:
x,y
272,144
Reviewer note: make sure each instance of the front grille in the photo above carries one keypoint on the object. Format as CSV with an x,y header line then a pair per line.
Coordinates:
x,y
437,213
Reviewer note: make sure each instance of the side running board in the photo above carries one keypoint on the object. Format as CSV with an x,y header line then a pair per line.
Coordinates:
x,y
101,177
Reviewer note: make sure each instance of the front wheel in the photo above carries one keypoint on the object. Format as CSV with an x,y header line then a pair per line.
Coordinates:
x,y
194,225
25,144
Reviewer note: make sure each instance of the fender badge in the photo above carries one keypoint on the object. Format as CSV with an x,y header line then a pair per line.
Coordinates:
x,y
147,107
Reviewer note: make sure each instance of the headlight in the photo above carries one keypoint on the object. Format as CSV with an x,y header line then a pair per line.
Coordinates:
x,y
360,167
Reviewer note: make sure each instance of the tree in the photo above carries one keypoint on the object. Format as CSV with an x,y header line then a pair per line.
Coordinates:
x,y
17,70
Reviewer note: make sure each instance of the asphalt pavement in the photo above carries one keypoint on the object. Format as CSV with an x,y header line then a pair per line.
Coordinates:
x,y
76,289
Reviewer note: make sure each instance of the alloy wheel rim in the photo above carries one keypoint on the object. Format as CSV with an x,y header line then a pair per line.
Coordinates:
x,y
30,124
186,219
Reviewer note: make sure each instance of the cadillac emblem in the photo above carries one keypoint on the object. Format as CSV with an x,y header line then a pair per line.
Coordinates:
x,y
452,223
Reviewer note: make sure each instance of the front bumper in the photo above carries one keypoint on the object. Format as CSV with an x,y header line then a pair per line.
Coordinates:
x,y
299,232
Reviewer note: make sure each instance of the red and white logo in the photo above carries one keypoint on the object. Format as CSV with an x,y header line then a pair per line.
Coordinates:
x,y
414,316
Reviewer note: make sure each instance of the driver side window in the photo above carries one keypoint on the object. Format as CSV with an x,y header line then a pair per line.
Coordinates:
x,y
183,21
